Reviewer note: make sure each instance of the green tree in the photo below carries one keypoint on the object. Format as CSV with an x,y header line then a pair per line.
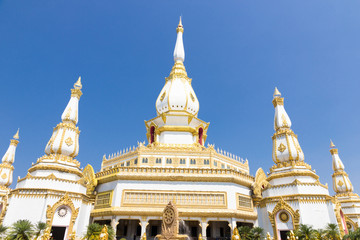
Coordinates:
x,y
332,232
352,235
244,232
21,230
39,228
2,231
256,233
319,234
94,230
305,232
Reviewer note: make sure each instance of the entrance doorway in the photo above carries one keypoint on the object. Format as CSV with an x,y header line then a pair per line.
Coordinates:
x,y
58,233
284,235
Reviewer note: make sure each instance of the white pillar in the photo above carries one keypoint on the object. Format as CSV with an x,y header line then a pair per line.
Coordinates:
x,y
203,225
143,223
232,225
114,224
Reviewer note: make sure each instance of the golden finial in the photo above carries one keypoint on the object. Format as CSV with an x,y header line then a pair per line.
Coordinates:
x,y
16,136
332,145
78,85
276,93
180,27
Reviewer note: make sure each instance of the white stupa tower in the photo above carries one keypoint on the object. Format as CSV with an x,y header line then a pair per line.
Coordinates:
x,y
349,201
177,106
291,194
6,174
57,190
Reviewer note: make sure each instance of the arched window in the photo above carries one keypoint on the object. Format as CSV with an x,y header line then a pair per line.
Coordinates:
x,y
152,134
201,136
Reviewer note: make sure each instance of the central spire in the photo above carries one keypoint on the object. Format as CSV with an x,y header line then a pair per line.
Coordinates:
x,y
179,52
177,106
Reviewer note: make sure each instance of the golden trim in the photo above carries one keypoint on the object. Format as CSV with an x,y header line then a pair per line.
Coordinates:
x,y
51,210
174,174
185,199
56,168
274,175
183,212
96,206
284,206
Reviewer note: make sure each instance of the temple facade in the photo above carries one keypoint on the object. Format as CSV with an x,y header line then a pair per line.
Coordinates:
x,y
212,189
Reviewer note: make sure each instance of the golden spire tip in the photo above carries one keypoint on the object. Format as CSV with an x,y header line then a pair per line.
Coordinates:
x,y
277,93
78,85
16,136
180,23
180,27
332,145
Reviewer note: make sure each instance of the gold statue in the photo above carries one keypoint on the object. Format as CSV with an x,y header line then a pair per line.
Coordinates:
x,y
72,236
104,235
268,236
236,235
200,237
47,234
292,236
143,236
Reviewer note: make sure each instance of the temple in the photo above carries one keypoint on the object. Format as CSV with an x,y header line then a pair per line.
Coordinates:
x,y
212,189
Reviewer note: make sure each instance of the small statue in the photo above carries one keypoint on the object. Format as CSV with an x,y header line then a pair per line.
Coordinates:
x,y
72,236
292,236
268,236
236,235
143,236
104,235
200,237
47,234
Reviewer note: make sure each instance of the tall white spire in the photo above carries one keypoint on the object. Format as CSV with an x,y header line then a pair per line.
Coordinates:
x,y
179,52
6,167
286,146
65,137
341,181
71,111
281,118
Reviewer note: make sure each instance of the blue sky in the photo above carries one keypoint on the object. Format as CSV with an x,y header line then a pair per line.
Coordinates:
x,y
236,53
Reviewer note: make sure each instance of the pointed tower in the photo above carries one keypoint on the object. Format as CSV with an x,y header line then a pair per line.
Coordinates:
x,y
55,187
349,201
292,193
177,106
6,167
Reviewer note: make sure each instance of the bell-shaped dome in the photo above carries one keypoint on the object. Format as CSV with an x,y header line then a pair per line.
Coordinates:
x,y
178,94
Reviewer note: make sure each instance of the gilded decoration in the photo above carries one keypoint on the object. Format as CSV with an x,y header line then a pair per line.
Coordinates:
x,y
4,206
284,217
89,179
163,96
259,184
69,141
281,148
64,201
283,206
170,224
338,216
185,199
56,168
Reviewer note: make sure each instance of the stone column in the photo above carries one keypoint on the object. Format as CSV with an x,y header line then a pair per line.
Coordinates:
x,y
203,226
232,225
114,224
143,223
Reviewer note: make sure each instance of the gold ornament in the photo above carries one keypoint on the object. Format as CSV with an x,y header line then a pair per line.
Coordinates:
x,y
281,147
69,141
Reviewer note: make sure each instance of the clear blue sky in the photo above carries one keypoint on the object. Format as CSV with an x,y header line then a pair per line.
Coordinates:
x,y
236,53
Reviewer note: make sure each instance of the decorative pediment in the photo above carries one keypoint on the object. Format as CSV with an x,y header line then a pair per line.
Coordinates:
x,y
89,179
259,184
282,205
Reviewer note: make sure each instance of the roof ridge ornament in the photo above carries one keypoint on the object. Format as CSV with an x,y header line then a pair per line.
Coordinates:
x,y
16,136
